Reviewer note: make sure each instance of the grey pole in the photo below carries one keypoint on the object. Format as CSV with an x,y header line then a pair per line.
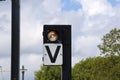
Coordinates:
x,y
15,51
23,73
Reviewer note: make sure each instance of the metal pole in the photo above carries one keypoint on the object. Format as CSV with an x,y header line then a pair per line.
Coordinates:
x,y
23,73
66,67
15,51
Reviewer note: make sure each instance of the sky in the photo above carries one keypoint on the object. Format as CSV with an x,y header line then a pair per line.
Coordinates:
x,y
90,20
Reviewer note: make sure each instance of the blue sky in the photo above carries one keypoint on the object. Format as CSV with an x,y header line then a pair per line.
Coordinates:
x,y
90,20
114,2
69,5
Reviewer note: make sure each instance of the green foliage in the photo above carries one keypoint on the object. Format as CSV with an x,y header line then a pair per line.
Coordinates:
x,y
82,70
48,73
99,68
111,43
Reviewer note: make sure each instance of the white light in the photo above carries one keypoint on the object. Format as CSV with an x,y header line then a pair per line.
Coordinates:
x,y
52,36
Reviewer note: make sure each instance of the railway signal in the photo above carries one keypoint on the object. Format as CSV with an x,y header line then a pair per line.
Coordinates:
x,y
57,48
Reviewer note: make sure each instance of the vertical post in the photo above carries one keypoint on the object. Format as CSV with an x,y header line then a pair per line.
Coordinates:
x,y
15,51
23,73
66,67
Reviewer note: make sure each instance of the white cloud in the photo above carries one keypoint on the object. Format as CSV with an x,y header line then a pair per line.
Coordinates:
x,y
31,34
86,46
95,7
52,6
5,44
5,67
95,23
32,63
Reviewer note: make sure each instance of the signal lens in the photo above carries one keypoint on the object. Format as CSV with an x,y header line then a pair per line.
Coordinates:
x,y
52,36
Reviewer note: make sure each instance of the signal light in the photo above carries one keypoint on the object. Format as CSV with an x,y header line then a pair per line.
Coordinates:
x,y
52,35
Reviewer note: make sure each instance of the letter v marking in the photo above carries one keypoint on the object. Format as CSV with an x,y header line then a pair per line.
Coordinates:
x,y
53,58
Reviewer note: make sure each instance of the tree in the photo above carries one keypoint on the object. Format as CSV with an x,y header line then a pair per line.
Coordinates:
x,y
97,68
48,73
111,43
83,70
